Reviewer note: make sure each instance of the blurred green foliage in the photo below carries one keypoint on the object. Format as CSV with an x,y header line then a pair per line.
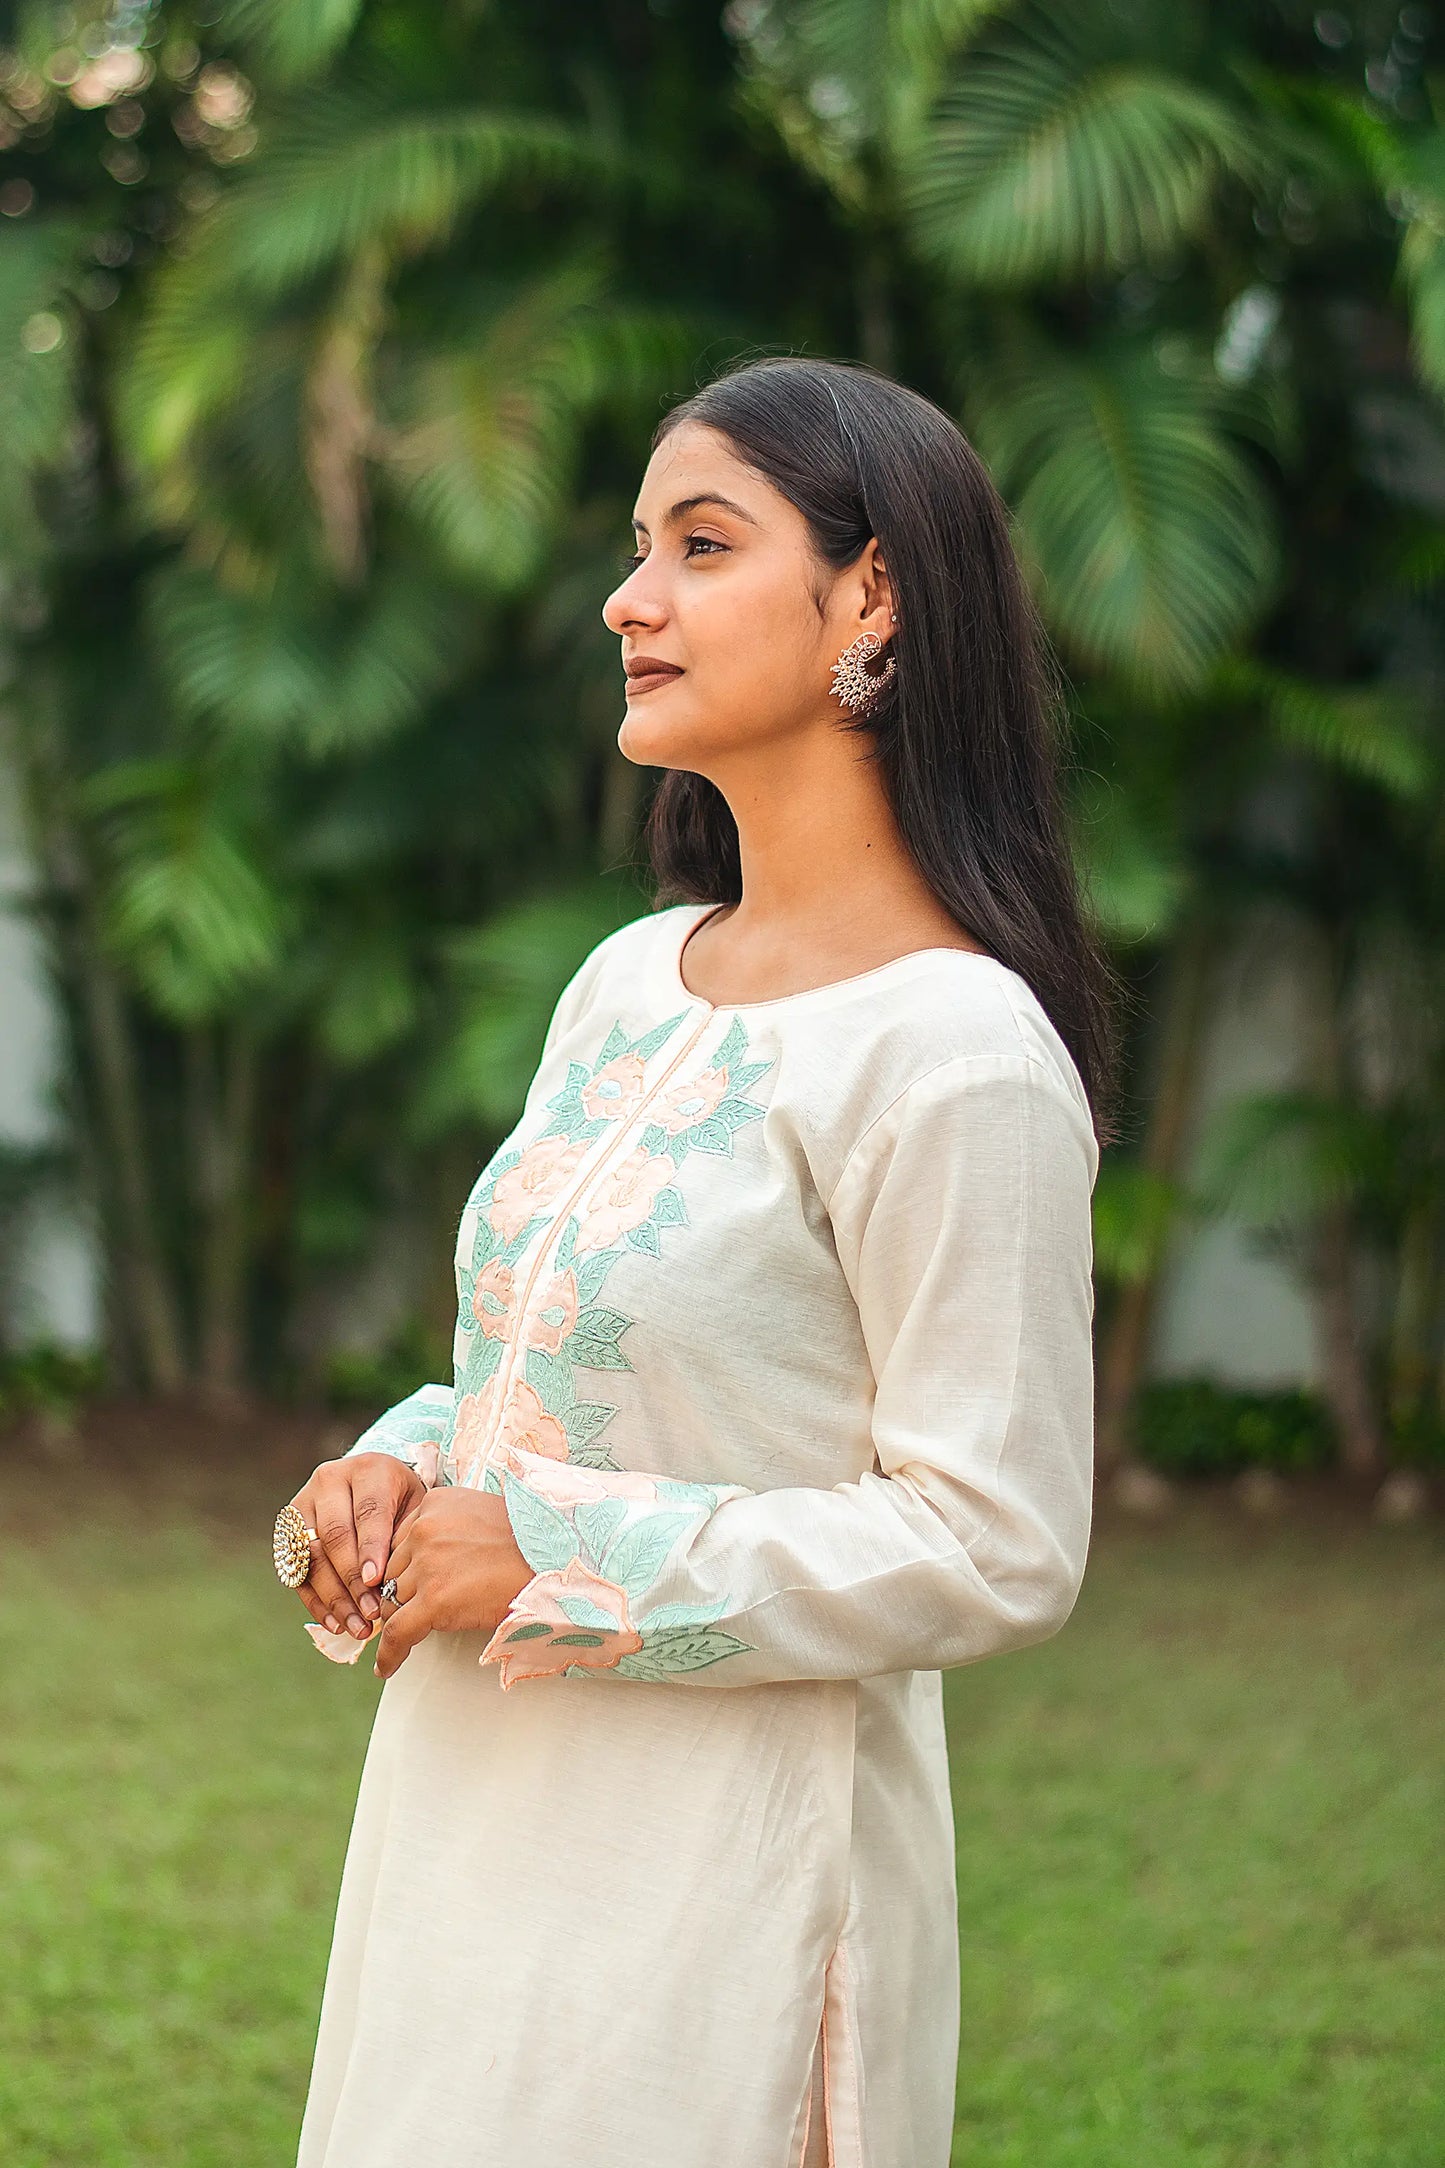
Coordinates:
x,y
331,340
1197,1427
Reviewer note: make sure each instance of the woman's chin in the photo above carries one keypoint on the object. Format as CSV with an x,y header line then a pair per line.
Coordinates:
x,y
654,741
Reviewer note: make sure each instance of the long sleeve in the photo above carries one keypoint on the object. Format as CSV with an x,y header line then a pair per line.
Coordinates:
x,y
962,1226
411,1431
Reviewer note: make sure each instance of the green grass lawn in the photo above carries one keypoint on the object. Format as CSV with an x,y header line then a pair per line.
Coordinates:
x,y
1201,1878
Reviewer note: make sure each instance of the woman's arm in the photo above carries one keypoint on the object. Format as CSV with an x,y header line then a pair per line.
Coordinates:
x,y
962,1221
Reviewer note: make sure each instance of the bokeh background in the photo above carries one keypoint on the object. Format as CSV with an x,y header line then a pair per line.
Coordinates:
x,y
332,334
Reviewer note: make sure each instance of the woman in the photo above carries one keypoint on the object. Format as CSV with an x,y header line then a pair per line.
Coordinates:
x,y
773,1388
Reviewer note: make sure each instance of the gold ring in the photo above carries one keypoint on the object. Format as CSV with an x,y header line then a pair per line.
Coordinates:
x,y
291,1547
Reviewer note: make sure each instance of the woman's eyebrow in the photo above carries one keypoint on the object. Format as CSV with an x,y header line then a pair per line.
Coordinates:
x,y
685,505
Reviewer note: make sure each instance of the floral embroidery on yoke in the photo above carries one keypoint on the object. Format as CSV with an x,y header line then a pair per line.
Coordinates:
x,y
534,1326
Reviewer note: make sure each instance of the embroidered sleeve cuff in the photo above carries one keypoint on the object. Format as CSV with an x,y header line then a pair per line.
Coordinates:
x,y
603,1545
412,1431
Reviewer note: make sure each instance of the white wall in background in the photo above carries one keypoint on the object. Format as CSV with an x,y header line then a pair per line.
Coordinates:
x,y
1224,1310
55,1279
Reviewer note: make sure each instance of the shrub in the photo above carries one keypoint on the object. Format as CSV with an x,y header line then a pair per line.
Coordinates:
x,y
1196,1427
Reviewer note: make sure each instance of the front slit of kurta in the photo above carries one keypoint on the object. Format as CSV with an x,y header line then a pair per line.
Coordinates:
x,y
660,1873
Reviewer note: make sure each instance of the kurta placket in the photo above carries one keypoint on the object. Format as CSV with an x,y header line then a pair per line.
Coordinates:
x,y
774,1333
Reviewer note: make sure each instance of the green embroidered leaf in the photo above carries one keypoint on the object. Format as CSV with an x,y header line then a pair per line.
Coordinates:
x,y
743,1079
684,1614
545,1537
659,1035
711,1136
635,1558
491,1481
578,1641
584,1612
655,1139
737,1113
614,1044
733,1046
584,1418
550,1377
595,1456
529,1633
668,1208
600,1323
645,1237
591,1354
592,1271
681,1649
701,1496
598,1523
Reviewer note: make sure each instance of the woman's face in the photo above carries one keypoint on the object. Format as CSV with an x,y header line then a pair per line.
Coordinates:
x,y
729,600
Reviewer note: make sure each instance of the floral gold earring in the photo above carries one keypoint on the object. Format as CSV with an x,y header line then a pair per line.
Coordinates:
x,y
854,684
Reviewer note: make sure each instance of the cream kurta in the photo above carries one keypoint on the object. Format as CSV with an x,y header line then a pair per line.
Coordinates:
x,y
775,1332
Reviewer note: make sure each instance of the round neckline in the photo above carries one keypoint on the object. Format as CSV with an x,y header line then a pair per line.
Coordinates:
x,y
672,963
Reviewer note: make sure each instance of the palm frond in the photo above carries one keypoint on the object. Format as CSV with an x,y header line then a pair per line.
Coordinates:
x,y
1053,154
186,906
1148,537
304,665
291,39
482,450
1368,731
1282,1157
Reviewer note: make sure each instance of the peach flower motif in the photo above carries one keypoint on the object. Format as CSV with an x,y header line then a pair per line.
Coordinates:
x,y
342,1648
428,1455
537,1181
473,1415
692,1100
616,1089
495,1286
527,1427
624,1198
540,1329
574,1484
598,1647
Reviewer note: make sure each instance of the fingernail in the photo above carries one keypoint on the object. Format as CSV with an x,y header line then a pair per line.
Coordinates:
x,y
355,1626
370,1570
331,1624
369,1604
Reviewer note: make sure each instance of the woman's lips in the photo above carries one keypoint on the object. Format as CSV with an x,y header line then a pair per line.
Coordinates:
x,y
645,673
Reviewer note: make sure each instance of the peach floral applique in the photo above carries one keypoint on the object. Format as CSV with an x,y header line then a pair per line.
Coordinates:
x,y
494,1300
615,1090
624,1198
550,1325
540,1632
536,1181
692,1100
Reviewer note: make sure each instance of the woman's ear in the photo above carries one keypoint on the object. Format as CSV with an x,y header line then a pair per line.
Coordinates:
x,y
880,610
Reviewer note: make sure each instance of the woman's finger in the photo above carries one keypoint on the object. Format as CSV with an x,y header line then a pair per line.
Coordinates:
x,y
406,1625
323,1592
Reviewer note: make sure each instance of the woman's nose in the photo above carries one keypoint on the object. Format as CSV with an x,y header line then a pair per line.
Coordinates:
x,y
629,608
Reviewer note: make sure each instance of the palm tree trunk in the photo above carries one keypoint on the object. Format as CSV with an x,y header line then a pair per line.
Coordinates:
x,y
1349,1391
151,1299
221,1087
1185,1012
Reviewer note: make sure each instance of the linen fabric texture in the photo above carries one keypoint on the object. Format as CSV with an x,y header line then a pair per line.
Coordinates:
x,y
775,1334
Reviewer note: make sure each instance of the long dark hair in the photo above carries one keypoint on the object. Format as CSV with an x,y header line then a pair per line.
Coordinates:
x,y
968,732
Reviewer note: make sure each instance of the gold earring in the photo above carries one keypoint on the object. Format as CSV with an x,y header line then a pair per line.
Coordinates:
x,y
856,687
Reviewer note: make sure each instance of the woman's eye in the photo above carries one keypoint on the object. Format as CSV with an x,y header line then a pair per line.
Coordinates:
x,y
631,561
701,542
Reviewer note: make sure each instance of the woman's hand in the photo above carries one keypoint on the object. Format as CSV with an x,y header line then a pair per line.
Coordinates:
x,y
456,1566
354,1504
